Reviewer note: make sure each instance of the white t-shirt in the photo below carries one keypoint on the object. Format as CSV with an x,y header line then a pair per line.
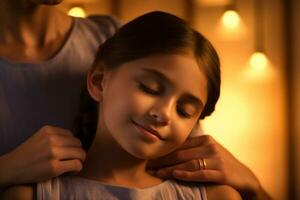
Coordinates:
x,y
74,187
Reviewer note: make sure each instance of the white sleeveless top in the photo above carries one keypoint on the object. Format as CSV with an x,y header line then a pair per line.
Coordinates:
x,y
77,188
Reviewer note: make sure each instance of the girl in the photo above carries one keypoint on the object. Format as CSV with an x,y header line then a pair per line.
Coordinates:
x,y
150,84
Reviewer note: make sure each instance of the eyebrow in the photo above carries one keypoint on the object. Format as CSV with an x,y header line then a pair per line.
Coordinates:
x,y
162,77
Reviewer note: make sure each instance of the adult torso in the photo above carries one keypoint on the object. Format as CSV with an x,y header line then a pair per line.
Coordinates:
x,y
47,93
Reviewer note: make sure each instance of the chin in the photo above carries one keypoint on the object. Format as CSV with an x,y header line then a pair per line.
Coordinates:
x,y
146,153
143,154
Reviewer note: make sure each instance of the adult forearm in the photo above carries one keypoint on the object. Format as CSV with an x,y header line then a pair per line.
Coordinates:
x,y
6,173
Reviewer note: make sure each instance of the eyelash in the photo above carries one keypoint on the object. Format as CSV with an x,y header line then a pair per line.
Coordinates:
x,y
182,113
148,90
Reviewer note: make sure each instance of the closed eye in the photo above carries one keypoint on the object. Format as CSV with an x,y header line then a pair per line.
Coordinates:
x,y
148,90
183,113
187,109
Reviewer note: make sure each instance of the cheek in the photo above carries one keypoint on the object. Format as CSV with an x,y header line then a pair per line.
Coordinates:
x,y
123,103
140,103
179,133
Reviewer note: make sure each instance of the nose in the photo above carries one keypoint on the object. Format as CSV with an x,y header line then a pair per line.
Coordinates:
x,y
160,112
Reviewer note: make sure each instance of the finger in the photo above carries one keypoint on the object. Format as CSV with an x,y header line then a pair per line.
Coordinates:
x,y
178,156
191,165
199,176
195,142
65,141
167,173
162,161
56,130
68,153
68,166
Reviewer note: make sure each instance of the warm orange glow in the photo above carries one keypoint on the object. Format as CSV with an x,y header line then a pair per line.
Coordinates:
x,y
231,108
231,26
231,19
212,2
259,61
77,12
260,68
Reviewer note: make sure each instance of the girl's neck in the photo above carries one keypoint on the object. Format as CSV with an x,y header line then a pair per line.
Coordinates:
x,y
109,163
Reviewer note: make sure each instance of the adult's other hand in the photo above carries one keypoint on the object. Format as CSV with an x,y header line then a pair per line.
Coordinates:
x,y
50,152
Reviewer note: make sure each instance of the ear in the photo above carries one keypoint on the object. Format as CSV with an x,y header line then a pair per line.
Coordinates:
x,y
95,80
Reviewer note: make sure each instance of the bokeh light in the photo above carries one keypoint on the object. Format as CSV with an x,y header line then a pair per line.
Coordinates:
x,y
259,61
231,19
77,12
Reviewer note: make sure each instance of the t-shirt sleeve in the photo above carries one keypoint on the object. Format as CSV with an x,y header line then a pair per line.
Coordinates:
x,y
107,24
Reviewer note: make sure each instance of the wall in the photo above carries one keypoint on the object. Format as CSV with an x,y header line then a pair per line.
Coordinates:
x,y
250,119
296,89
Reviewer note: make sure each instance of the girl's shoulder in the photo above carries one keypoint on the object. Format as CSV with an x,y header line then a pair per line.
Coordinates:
x,y
18,192
186,190
194,190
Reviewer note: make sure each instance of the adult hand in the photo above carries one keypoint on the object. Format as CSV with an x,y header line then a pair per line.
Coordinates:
x,y
221,166
50,152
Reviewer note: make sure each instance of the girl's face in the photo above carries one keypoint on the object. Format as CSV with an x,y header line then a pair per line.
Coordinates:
x,y
150,105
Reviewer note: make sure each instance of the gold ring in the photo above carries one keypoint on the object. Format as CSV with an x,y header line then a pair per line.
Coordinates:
x,y
202,164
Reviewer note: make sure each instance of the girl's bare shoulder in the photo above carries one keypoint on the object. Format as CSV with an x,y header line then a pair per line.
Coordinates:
x,y
224,192
18,192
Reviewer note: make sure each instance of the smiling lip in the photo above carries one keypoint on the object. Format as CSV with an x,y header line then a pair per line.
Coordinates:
x,y
151,133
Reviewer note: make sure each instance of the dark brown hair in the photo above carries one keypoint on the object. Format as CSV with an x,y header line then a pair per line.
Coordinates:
x,y
153,33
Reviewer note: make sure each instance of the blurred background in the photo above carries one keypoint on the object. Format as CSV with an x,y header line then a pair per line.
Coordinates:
x,y
257,116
